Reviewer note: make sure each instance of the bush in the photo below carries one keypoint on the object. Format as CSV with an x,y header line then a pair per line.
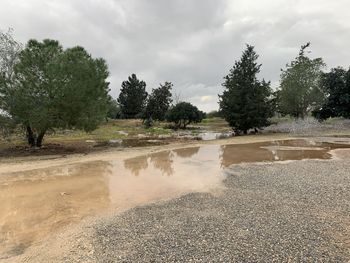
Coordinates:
x,y
183,114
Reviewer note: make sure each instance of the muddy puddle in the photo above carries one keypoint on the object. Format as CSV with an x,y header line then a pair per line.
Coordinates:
x,y
36,203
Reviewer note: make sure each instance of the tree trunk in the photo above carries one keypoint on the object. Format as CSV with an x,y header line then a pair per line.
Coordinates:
x,y
30,136
39,140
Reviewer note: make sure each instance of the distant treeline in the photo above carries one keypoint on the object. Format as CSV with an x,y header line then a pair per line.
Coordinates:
x,y
45,87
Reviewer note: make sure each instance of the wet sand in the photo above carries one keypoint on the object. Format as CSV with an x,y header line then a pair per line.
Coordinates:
x,y
38,202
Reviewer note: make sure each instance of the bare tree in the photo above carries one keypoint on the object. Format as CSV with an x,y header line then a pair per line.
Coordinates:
x,y
177,98
9,52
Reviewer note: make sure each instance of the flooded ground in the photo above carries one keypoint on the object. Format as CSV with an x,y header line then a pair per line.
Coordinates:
x,y
35,203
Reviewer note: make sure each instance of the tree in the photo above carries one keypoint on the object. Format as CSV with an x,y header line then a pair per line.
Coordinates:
x,y
245,102
9,55
55,88
113,109
132,97
7,125
213,114
336,85
158,102
300,90
184,113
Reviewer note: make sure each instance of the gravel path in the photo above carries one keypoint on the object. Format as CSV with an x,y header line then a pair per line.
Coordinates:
x,y
295,212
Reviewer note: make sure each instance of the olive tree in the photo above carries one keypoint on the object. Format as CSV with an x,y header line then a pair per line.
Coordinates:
x,y
336,85
184,113
300,90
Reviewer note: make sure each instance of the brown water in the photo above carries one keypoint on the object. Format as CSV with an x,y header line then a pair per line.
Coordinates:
x,y
36,203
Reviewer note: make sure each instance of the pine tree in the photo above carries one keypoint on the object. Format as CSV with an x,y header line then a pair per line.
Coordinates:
x,y
47,87
158,102
245,103
132,97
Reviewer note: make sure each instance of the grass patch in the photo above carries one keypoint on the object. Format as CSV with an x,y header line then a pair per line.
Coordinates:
x,y
158,131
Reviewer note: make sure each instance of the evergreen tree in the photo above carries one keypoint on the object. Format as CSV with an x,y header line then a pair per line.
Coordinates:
x,y
245,102
336,84
300,90
132,97
159,102
50,87
113,109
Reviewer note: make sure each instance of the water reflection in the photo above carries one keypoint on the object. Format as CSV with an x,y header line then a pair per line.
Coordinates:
x,y
163,161
136,164
276,151
36,203
186,152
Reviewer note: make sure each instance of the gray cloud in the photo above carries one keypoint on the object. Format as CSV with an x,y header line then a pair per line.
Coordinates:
x,y
192,43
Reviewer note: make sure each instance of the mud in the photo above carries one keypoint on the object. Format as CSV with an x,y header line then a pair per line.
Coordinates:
x,y
36,203
86,147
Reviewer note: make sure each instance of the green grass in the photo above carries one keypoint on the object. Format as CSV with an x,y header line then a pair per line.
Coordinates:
x,y
113,130
214,120
158,131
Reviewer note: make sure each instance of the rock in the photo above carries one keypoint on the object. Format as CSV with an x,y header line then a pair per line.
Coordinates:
x,y
123,133
115,141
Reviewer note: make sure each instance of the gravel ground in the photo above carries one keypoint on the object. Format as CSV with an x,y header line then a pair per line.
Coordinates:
x,y
294,212
280,212
310,127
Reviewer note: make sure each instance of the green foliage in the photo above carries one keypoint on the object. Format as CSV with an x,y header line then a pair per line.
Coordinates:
x,y
132,97
213,114
300,90
113,109
158,102
246,101
55,88
336,84
183,114
7,125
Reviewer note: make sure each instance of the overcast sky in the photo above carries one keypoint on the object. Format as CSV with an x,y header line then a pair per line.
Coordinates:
x,y
192,43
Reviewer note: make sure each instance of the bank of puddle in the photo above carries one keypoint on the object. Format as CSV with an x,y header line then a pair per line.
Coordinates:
x,y
36,203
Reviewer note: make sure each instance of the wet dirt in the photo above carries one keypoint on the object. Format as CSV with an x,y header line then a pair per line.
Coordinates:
x,y
36,203
86,147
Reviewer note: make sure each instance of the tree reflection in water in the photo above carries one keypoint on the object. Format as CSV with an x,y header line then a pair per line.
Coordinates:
x,y
136,164
162,161
187,152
